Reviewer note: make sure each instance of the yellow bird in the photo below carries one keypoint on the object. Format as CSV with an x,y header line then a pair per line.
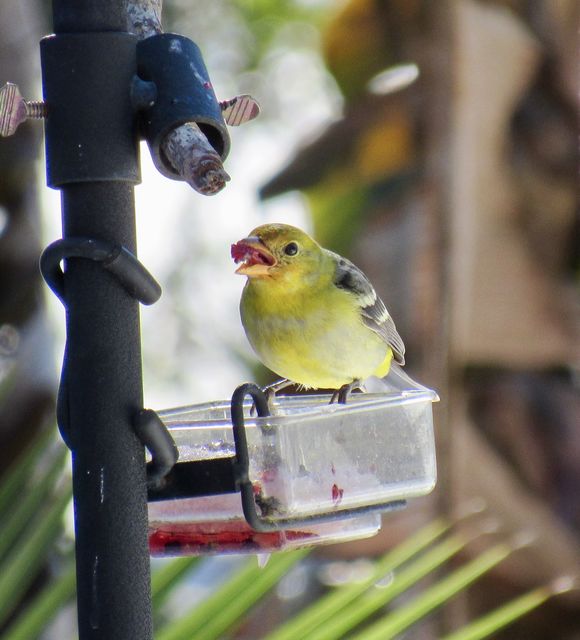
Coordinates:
x,y
311,315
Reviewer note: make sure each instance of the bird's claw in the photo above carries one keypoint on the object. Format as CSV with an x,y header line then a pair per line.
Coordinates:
x,y
340,396
270,392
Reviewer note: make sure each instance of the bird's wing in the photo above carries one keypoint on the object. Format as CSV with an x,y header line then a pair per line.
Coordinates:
x,y
373,311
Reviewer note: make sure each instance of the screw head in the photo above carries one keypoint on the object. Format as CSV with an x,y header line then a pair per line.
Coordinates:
x,y
239,110
13,110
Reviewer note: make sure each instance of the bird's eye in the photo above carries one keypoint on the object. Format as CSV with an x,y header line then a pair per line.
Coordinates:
x,y
291,249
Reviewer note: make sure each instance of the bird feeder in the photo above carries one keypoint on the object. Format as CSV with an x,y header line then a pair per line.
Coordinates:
x,y
310,473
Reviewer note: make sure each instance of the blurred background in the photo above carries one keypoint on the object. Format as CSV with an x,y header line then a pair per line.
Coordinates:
x,y
458,196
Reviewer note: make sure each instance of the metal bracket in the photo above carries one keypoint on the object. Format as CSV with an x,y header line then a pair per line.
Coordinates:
x,y
120,262
154,435
242,462
138,282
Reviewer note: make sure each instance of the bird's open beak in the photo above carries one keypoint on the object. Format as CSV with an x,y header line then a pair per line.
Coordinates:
x,y
255,257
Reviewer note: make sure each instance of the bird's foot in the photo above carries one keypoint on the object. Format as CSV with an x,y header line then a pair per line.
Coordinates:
x,y
341,395
270,391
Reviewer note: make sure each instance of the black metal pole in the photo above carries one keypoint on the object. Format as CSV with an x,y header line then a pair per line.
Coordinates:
x,y
92,157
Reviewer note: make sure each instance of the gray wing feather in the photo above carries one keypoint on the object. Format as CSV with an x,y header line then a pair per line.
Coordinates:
x,y
373,311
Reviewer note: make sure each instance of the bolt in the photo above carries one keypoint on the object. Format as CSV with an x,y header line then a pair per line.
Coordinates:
x,y
14,109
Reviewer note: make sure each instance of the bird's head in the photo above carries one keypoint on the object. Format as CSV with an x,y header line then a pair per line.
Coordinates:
x,y
277,251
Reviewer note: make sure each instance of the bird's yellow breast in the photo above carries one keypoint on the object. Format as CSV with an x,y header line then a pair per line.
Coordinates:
x,y
313,336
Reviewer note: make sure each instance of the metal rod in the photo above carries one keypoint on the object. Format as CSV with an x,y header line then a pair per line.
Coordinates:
x,y
103,361
103,372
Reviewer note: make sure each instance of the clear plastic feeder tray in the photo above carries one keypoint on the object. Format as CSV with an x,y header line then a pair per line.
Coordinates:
x,y
312,460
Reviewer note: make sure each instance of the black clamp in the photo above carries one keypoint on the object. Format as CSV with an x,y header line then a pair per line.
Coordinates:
x,y
95,142
173,87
